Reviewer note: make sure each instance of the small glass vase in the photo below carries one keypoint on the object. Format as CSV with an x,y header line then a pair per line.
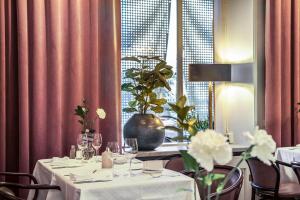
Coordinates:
x,y
89,151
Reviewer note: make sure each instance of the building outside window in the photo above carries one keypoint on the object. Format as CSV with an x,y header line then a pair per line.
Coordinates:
x,y
164,28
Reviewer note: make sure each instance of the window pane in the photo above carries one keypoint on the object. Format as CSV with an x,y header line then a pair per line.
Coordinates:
x,y
197,24
145,27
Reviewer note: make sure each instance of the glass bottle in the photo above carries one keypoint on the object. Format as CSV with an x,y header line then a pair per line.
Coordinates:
x,y
72,152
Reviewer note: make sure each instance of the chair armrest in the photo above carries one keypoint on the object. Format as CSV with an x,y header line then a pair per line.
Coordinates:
x,y
30,176
278,162
295,163
187,173
30,187
9,196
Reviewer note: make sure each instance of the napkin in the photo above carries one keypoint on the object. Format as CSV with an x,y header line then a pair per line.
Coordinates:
x,y
79,177
64,162
119,160
153,165
56,161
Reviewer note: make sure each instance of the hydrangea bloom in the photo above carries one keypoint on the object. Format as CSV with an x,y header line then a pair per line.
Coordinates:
x,y
101,113
263,145
208,147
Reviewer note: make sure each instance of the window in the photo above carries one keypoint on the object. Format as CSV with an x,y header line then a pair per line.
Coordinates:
x,y
197,28
149,27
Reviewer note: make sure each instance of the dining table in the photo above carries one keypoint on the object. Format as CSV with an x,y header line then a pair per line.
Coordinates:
x,y
288,155
87,180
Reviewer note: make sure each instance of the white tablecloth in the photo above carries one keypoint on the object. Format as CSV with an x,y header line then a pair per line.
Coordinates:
x,y
288,155
171,185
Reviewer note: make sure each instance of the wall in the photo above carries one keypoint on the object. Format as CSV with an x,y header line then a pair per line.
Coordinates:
x,y
239,32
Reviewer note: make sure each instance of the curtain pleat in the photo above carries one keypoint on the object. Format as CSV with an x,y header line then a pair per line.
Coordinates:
x,y
282,71
54,54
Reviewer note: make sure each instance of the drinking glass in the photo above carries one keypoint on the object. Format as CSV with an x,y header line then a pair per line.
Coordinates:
x,y
130,149
114,148
82,141
97,142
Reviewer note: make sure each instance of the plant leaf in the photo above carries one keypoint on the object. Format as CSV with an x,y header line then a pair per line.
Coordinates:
x,y
217,176
180,138
128,87
158,102
131,58
129,110
174,107
157,109
181,101
190,163
160,66
192,121
132,103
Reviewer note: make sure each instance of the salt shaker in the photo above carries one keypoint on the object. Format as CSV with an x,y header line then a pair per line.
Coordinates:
x,y
107,161
72,152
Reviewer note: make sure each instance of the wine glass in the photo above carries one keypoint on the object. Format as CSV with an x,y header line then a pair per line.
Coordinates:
x,y
130,149
97,142
114,148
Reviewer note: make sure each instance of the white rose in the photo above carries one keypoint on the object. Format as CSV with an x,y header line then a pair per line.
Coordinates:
x,y
208,147
263,145
101,113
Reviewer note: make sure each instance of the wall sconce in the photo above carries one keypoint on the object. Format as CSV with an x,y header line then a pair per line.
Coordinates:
x,y
233,31
210,73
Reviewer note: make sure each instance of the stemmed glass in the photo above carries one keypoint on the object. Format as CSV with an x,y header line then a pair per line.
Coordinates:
x,y
114,148
97,142
130,149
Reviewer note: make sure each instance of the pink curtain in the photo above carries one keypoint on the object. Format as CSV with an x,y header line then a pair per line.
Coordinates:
x,y
282,51
53,54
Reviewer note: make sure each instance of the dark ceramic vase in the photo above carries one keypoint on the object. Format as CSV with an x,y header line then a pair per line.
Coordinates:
x,y
147,128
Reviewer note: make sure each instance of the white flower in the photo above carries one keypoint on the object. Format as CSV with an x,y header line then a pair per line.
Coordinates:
x,y
101,113
209,146
83,109
263,145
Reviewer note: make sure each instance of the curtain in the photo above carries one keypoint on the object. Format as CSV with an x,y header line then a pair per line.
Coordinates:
x,y
282,50
54,54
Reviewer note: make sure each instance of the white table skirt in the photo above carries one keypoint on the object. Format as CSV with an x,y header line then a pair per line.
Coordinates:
x,y
138,187
288,155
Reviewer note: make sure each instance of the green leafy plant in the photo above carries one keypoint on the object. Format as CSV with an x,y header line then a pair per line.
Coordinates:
x,y
200,124
184,122
87,124
143,81
186,118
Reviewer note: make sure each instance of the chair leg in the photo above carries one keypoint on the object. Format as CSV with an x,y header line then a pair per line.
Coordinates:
x,y
253,194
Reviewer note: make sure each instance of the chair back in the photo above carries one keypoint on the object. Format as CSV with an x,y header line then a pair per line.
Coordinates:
x,y
296,168
175,164
232,188
264,177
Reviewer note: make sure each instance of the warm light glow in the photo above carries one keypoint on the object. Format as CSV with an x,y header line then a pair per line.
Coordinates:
x,y
233,31
235,108
233,54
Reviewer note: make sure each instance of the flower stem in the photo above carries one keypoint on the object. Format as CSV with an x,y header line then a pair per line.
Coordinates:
x,y
244,157
208,191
